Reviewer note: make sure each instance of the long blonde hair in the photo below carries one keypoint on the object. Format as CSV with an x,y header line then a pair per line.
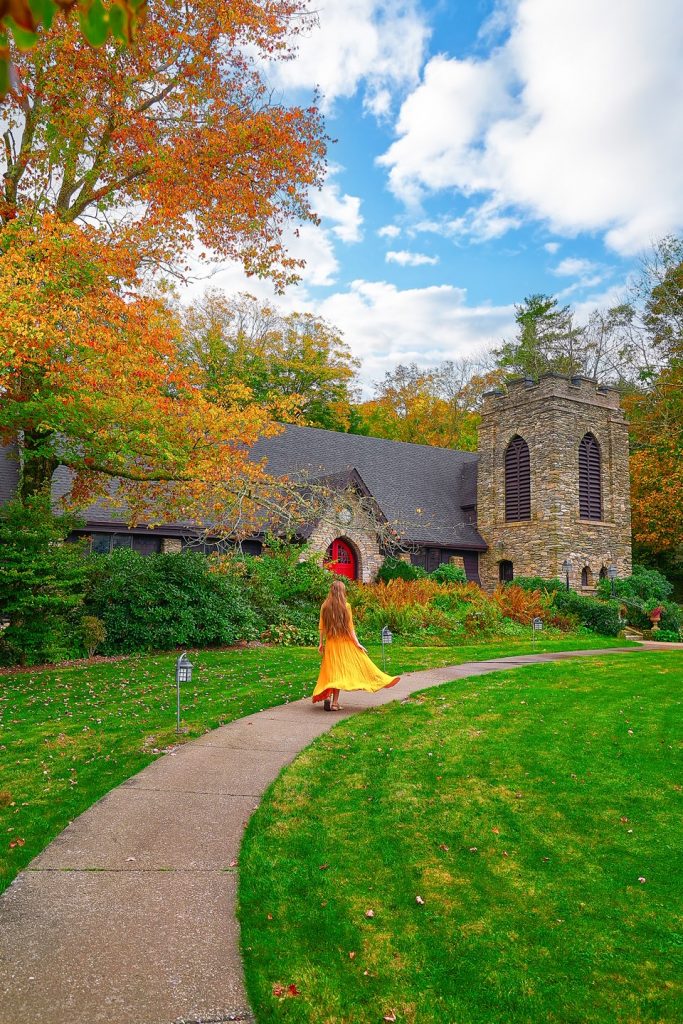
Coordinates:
x,y
336,617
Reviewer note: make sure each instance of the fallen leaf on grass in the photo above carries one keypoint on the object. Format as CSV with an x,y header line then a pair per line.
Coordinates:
x,y
642,880
369,913
16,842
233,863
352,955
391,1016
285,991
418,899
442,846
324,867
473,849
496,831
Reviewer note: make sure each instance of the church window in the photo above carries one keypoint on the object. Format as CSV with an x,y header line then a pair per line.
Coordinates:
x,y
517,480
586,577
590,485
506,572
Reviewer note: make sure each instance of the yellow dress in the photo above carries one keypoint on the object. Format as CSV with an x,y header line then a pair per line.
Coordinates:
x,y
346,667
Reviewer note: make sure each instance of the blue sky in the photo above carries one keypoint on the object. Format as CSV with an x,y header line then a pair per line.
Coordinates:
x,y
485,150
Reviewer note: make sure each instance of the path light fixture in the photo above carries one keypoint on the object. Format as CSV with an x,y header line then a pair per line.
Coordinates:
x,y
612,574
183,674
566,569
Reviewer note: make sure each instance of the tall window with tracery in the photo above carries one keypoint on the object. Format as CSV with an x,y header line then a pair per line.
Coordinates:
x,y
590,482
517,480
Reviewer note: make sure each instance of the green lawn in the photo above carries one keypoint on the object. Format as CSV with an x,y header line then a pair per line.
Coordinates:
x,y
68,735
536,814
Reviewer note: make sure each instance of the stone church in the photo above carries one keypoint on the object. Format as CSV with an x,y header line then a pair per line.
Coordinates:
x,y
549,486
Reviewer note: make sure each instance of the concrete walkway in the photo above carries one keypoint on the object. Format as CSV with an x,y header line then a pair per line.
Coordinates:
x,y
128,917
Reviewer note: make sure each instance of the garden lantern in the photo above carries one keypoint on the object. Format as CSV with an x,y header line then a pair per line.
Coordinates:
x,y
566,569
612,574
183,674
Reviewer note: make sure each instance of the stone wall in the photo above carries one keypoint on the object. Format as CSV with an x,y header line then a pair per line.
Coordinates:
x,y
359,533
552,415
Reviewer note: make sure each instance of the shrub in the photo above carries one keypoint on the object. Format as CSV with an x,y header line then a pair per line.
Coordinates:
x,y
667,636
672,617
449,574
481,621
537,583
520,604
647,587
282,589
396,569
598,616
42,583
93,633
286,635
166,601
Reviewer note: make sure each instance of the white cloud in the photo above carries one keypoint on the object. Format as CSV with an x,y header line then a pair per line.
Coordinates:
x,y
385,325
389,231
551,247
576,120
479,223
410,259
374,45
342,210
311,243
572,267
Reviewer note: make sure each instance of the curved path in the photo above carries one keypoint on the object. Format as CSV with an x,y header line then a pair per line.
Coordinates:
x,y
128,917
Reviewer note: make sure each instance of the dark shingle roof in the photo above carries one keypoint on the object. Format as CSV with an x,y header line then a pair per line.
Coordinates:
x,y
421,490
403,478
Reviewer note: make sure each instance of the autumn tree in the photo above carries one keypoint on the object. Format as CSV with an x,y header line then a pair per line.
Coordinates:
x,y
296,363
437,405
119,161
92,379
172,143
656,410
23,19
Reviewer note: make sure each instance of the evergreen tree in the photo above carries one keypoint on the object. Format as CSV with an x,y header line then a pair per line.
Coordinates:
x,y
42,581
547,340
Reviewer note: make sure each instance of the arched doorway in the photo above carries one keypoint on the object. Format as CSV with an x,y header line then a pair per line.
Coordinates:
x,y
341,558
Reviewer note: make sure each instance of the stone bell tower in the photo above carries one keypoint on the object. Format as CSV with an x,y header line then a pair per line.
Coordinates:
x,y
553,481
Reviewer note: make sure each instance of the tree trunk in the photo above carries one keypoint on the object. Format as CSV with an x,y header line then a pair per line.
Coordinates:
x,y
37,467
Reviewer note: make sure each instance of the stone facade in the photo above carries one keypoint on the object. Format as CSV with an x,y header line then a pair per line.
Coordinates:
x,y
359,533
552,415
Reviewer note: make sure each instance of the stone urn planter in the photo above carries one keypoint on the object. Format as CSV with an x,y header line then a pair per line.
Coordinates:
x,y
655,617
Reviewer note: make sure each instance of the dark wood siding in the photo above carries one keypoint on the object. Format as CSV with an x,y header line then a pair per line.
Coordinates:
x,y
471,562
590,484
517,480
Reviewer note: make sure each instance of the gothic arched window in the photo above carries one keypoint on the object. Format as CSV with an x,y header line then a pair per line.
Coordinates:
x,y
517,480
590,485
506,571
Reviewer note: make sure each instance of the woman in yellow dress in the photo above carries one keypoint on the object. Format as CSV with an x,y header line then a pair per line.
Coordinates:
x,y
345,665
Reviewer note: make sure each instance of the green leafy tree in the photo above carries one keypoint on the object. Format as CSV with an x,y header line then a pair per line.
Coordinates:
x,y
42,583
547,340
297,364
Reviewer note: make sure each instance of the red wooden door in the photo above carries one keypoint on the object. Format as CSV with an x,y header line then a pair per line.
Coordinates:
x,y
341,559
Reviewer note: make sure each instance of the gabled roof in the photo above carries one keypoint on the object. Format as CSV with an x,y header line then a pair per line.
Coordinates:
x,y
421,490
